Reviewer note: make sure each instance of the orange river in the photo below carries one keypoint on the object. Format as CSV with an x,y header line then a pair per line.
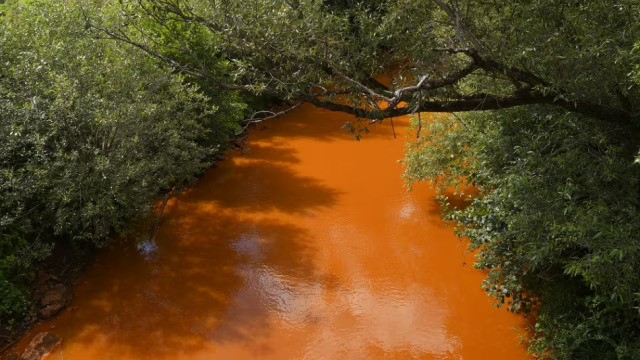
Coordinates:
x,y
305,245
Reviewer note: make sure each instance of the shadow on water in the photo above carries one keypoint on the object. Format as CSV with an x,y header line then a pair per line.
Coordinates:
x,y
263,186
279,154
306,125
206,282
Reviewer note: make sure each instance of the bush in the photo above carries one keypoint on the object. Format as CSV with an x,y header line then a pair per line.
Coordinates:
x,y
13,304
555,221
92,132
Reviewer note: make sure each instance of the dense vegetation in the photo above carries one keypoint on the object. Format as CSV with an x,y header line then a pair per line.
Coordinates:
x,y
91,133
106,106
555,221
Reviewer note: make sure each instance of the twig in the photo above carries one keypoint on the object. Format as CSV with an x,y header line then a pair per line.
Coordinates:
x,y
165,201
393,128
8,345
459,119
65,270
272,115
419,115
462,30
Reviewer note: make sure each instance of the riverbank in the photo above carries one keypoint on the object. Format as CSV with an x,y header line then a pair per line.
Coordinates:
x,y
58,275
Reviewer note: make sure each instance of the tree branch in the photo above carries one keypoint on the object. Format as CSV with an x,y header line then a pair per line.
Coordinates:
x,y
531,89
467,103
479,102
269,115
461,28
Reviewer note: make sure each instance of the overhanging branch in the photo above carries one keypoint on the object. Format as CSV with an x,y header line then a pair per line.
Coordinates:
x,y
468,103
530,88
478,102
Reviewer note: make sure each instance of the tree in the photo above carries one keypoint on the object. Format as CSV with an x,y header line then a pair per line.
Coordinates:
x,y
446,56
554,221
92,133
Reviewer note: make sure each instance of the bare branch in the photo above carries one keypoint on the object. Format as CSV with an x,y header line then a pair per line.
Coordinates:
x,y
254,119
121,36
367,91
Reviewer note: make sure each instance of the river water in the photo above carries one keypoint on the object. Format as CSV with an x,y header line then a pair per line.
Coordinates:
x,y
306,245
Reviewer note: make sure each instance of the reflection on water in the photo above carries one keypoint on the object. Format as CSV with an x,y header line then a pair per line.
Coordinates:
x,y
304,246
147,248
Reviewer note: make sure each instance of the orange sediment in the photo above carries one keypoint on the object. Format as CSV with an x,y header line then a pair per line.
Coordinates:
x,y
305,246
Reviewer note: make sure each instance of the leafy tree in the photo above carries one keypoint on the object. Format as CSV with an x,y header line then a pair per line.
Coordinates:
x,y
555,221
446,55
92,132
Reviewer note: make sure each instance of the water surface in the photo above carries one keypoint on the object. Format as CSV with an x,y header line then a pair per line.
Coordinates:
x,y
306,245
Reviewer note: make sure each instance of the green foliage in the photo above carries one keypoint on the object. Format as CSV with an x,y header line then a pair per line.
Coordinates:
x,y
555,221
534,51
13,304
92,132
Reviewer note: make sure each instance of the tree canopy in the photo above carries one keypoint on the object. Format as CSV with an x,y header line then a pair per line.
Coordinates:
x,y
444,55
91,133
555,221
